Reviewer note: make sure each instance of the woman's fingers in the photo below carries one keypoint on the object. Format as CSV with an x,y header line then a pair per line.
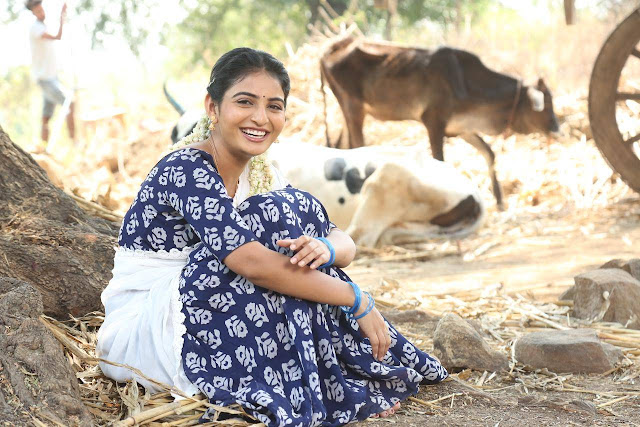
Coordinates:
x,y
313,253
303,253
375,328
309,250
300,242
285,243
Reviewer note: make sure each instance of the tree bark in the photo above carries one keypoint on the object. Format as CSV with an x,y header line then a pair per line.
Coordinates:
x,y
47,240
35,376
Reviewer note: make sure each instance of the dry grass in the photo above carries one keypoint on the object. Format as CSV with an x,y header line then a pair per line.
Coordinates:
x,y
502,317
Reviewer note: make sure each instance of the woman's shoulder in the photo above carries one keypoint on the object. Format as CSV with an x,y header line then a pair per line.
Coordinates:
x,y
187,155
184,159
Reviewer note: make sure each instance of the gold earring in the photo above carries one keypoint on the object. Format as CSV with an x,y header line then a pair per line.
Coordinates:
x,y
212,126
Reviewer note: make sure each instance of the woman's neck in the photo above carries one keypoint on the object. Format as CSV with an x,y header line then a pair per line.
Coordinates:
x,y
229,166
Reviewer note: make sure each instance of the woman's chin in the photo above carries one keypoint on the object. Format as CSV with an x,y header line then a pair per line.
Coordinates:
x,y
257,148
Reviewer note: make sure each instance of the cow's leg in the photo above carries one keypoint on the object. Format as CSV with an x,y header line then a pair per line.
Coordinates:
x,y
487,152
354,116
353,112
435,128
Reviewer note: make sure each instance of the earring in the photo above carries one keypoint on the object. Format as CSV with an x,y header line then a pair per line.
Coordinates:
x,y
212,123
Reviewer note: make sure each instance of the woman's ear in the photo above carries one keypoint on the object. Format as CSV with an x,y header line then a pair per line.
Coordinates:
x,y
210,106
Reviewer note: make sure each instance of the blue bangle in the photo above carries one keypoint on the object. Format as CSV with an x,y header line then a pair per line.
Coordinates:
x,y
332,251
356,305
372,303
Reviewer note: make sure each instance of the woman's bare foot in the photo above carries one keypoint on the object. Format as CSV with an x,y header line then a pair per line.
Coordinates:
x,y
390,411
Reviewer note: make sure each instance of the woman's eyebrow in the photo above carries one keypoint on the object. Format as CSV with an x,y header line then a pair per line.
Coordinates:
x,y
249,94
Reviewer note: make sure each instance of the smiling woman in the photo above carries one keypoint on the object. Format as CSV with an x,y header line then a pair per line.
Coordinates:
x,y
242,297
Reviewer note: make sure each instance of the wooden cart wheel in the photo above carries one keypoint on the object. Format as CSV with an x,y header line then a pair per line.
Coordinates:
x,y
609,100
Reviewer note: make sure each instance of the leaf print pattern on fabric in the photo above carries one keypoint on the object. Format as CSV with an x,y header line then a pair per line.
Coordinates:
x,y
184,188
195,363
211,338
245,356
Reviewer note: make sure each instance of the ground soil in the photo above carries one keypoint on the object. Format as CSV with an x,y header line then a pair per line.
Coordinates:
x,y
536,254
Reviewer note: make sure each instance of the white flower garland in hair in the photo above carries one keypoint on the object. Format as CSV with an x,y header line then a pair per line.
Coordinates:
x,y
260,176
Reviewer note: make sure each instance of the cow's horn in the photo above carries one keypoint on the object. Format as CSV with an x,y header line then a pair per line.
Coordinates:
x,y
537,99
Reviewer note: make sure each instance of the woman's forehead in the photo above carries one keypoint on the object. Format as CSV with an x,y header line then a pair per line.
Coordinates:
x,y
259,83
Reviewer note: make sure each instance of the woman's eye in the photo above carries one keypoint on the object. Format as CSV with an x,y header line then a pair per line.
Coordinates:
x,y
244,102
276,107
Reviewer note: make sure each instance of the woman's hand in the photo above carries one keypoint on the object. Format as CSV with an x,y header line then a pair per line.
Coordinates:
x,y
307,250
374,327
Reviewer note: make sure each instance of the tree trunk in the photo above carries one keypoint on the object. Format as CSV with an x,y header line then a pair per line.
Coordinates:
x,y
47,240
35,376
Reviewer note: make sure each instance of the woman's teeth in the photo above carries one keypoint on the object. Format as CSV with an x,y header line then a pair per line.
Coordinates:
x,y
254,133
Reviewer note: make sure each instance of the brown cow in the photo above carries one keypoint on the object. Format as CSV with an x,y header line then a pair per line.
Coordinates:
x,y
449,90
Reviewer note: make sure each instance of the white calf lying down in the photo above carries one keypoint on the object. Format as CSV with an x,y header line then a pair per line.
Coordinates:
x,y
384,195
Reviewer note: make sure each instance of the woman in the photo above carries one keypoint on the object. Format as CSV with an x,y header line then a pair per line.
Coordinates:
x,y
216,294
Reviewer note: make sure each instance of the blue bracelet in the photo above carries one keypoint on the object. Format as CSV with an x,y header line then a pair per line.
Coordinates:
x,y
356,305
372,303
332,251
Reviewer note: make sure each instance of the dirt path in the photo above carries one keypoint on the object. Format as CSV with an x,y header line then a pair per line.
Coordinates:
x,y
536,254
539,253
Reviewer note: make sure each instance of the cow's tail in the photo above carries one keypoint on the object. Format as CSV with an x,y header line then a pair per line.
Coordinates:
x,y
324,101
171,100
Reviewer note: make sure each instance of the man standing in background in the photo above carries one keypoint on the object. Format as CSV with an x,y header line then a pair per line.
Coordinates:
x,y
44,67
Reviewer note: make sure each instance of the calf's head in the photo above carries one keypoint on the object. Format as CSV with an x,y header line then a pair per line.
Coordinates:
x,y
535,111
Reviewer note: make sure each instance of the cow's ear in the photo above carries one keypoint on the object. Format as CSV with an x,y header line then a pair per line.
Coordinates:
x,y
541,85
537,99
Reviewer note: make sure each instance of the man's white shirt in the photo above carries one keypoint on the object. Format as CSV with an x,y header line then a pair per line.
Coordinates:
x,y
43,53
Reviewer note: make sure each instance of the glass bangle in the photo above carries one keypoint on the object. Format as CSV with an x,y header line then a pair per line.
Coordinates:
x,y
332,252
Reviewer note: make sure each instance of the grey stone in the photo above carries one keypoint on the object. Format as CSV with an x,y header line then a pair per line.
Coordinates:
x,y
568,295
570,351
631,266
458,345
608,294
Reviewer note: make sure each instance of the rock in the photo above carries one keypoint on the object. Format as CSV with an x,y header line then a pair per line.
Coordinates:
x,y
35,376
458,345
631,266
413,316
608,294
568,295
571,351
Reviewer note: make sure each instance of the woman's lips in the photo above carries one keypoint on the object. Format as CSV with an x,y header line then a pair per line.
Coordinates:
x,y
255,135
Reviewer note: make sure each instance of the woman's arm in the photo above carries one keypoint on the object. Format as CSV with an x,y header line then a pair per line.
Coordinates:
x,y
274,271
344,246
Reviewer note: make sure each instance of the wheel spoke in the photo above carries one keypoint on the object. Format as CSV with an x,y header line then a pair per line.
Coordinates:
x,y
623,96
636,53
630,141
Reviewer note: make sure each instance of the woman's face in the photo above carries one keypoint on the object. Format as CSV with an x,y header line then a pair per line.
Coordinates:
x,y
250,116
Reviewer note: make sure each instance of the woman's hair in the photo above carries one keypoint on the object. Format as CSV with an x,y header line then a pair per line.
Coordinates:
x,y
236,64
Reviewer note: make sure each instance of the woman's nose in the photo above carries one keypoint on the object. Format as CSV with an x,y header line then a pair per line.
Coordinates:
x,y
259,116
